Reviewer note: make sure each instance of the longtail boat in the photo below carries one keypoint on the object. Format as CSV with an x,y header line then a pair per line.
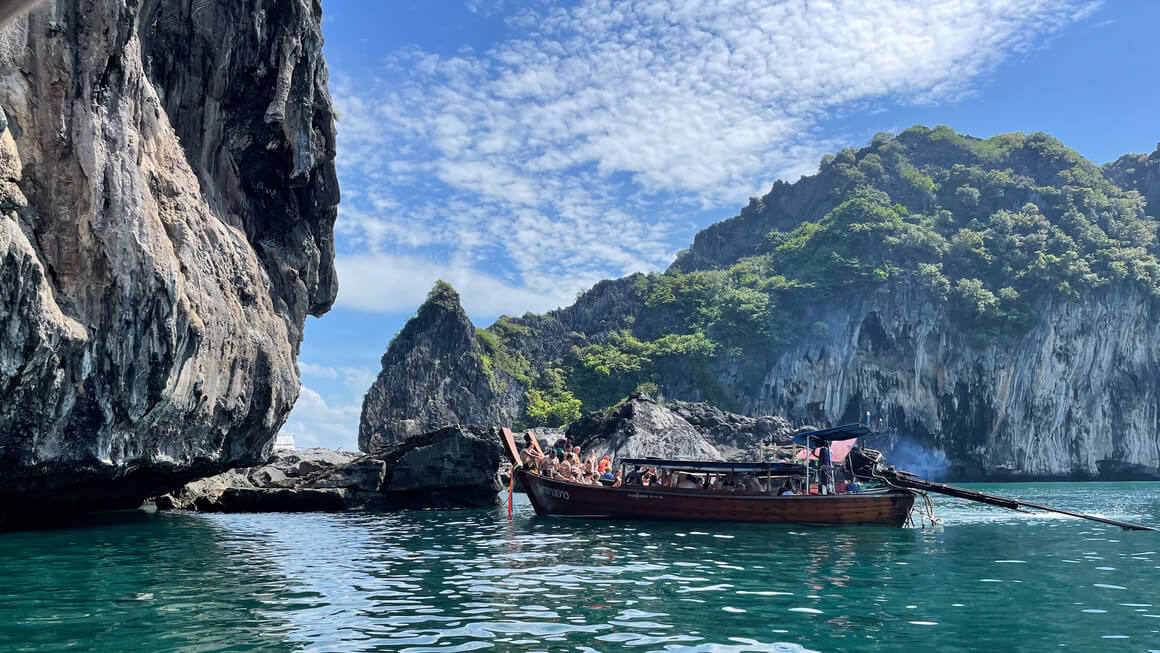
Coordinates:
x,y
882,506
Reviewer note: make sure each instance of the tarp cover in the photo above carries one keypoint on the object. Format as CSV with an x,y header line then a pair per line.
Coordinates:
x,y
835,434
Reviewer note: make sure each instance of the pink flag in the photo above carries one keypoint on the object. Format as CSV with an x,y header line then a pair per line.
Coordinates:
x,y
838,450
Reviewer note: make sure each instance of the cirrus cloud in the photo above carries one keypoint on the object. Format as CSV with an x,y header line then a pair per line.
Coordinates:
x,y
597,140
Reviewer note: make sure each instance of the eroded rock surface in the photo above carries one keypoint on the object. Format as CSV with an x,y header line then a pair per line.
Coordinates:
x,y
452,467
167,200
642,427
738,437
434,375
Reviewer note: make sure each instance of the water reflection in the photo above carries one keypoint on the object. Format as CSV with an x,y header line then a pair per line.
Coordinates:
x,y
456,581
134,581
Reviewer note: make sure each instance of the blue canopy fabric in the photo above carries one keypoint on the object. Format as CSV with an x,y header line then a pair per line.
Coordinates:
x,y
833,434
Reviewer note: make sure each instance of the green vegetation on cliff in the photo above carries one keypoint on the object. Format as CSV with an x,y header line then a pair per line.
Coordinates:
x,y
989,229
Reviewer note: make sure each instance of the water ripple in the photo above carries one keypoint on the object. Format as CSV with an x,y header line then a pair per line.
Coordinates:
x,y
468,580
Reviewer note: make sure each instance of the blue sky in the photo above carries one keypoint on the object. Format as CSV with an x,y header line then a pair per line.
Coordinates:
x,y
523,150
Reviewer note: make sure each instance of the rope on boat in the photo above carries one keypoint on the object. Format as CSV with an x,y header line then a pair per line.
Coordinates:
x,y
511,488
925,512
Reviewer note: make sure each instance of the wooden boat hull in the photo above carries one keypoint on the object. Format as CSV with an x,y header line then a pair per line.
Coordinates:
x,y
559,498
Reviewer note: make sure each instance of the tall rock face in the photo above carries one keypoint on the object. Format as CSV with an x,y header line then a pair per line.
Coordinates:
x,y
1139,172
1077,396
434,374
167,200
992,303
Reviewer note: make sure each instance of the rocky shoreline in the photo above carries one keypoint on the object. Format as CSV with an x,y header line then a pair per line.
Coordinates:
x,y
453,467
464,467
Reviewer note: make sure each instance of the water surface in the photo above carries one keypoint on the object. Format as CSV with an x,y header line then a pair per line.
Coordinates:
x,y
986,579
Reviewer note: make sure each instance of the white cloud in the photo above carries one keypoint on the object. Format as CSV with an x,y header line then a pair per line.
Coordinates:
x,y
310,369
579,149
317,423
390,284
356,379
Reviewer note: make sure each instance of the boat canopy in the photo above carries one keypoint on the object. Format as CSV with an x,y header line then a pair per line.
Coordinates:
x,y
835,434
716,466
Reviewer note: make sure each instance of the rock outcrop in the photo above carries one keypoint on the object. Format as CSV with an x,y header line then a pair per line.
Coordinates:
x,y
642,427
167,200
452,467
435,373
738,437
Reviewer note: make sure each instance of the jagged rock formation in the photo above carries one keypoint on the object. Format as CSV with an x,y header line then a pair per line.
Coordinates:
x,y
434,374
733,432
167,199
991,302
452,467
642,427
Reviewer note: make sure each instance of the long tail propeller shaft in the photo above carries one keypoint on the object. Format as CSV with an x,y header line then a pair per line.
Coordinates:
x,y
904,479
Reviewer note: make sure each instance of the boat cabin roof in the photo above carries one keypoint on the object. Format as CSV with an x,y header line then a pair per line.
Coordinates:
x,y
834,434
715,465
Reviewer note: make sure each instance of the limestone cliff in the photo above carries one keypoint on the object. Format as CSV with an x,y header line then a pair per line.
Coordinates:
x,y
434,374
1076,396
167,200
992,302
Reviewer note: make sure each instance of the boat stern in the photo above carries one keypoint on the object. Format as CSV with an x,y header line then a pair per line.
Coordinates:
x,y
508,439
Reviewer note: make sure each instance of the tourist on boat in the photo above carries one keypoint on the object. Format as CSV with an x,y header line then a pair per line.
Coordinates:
x,y
749,483
564,470
590,462
548,465
532,453
853,488
574,458
635,477
786,490
605,464
826,471
725,483
688,482
618,480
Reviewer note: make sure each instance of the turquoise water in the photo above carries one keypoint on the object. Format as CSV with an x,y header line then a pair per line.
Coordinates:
x,y
987,579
